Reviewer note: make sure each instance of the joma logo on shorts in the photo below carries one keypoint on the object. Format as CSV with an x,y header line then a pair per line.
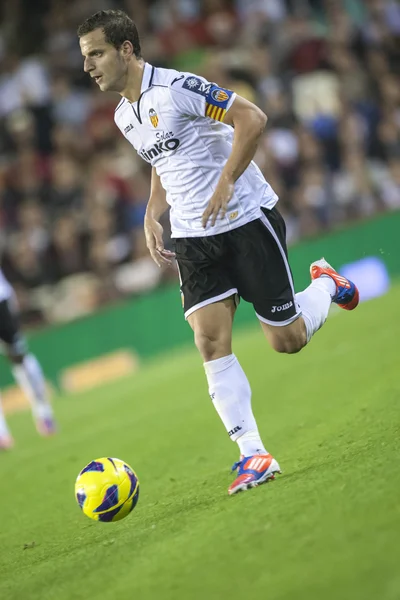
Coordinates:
x,y
282,307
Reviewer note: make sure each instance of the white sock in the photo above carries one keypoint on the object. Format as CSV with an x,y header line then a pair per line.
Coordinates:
x,y
231,395
4,431
29,376
315,302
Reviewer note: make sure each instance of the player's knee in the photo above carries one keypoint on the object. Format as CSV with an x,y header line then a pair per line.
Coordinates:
x,y
290,344
211,345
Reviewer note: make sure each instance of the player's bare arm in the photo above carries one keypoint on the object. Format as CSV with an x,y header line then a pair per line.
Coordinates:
x,y
156,207
249,122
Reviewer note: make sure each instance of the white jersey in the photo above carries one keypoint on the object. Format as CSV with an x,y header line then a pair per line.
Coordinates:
x,y
6,290
176,126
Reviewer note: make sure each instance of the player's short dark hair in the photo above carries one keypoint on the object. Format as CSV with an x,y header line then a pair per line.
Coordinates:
x,y
117,26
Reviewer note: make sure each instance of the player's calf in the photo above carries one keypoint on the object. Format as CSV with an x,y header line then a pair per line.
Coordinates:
x,y
288,339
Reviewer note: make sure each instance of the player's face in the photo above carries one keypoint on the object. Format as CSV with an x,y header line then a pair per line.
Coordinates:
x,y
103,62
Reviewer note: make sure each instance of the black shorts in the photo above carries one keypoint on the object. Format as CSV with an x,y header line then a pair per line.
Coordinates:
x,y
10,333
250,261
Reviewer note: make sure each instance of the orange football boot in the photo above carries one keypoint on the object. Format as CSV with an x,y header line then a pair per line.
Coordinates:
x,y
347,295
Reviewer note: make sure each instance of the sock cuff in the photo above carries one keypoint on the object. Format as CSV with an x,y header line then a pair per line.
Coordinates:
x,y
220,364
325,284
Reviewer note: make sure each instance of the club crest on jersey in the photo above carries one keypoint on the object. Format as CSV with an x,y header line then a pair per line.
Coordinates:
x,y
153,117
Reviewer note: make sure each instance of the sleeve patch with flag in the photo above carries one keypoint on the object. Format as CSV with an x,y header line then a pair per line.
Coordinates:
x,y
216,103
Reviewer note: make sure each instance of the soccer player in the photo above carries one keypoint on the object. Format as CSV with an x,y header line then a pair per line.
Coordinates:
x,y
229,238
25,367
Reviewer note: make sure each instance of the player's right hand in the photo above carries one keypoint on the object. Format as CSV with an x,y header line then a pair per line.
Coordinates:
x,y
153,232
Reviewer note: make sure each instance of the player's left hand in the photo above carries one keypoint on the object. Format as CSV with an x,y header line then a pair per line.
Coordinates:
x,y
218,203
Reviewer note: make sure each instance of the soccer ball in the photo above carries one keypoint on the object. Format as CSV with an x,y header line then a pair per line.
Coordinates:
x,y
107,489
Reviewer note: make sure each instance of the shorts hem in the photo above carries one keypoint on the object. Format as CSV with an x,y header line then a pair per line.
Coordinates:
x,y
279,323
212,300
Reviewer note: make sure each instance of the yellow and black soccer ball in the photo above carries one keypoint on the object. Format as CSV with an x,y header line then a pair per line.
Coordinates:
x,y
107,489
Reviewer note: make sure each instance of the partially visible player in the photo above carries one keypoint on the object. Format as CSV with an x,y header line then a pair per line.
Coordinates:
x,y
25,368
229,237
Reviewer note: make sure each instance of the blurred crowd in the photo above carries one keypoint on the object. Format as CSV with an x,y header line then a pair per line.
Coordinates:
x,y
73,192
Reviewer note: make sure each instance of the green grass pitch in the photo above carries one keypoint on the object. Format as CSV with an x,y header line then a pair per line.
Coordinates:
x,y
327,529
